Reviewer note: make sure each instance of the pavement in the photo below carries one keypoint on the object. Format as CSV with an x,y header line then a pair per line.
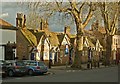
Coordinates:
x,y
68,67
59,69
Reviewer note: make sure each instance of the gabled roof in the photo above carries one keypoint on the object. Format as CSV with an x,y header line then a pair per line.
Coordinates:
x,y
54,39
72,36
72,40
29,36
61,37
5,25
95,41
39,35
52,36
102,42
88,33
90,43
96,35
88,40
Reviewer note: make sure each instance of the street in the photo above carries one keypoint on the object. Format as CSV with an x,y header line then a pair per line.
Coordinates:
x,y
107,74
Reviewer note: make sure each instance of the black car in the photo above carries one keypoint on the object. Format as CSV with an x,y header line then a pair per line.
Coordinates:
x,y
15,68
3,69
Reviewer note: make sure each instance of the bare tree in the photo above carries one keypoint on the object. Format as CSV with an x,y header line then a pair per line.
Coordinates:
x,y
33,20
77,10
80,12
109,12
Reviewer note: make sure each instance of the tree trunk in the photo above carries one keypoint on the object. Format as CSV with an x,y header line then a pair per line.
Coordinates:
x,y
108,49
79,47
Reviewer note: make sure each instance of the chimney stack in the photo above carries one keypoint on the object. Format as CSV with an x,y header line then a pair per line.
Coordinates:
x,y
20,20
67,30
46,24
43,24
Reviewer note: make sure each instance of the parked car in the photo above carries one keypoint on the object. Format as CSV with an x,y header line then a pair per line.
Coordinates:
x,y
3,69
35,67
15,68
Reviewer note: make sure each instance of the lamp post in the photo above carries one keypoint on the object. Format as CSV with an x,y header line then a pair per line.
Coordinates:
x,y
99,57
89,65
70,54
116,61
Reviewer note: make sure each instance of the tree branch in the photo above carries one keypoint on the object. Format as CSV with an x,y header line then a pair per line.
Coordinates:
x,y
80,8
80,11
113,30
89,15
74,6
104,15
108,21
114,22
61,9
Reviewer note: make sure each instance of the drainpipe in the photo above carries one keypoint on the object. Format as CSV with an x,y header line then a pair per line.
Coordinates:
x,y
50,60
49,54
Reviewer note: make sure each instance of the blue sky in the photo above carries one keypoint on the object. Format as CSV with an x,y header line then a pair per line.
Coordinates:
x,y
10,9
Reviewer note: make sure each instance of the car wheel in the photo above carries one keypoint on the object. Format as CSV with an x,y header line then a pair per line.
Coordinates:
x,y
10,73
30,72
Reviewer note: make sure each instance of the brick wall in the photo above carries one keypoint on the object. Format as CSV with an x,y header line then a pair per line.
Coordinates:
x,y
22,45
